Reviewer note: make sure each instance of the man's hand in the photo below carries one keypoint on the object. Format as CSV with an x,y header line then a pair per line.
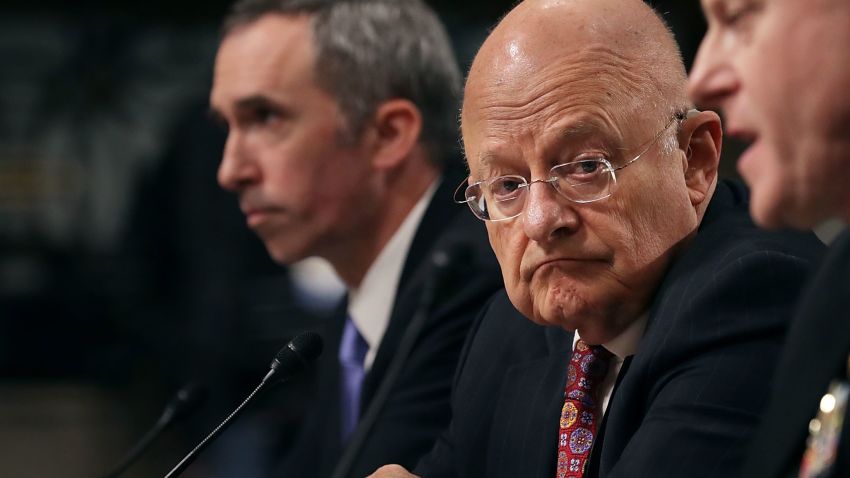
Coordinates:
x,y
392,471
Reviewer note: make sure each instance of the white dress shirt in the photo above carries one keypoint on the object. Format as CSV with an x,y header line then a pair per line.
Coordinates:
x,y
621,346
370,304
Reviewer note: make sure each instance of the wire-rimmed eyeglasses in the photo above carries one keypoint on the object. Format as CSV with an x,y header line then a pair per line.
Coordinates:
x,y
587,180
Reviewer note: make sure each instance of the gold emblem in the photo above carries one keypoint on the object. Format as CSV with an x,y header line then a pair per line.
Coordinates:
x,y
825,429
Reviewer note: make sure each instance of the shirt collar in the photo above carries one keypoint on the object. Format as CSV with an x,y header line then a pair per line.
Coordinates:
x,y
370,304
627,342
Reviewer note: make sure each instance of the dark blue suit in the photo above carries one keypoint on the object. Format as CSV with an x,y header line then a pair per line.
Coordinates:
x,y
417,408
818,351
685,404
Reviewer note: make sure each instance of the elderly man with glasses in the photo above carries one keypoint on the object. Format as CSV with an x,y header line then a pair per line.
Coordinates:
x,y
598,185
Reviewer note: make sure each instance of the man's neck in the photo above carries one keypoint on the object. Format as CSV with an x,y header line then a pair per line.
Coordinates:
x,y
353,260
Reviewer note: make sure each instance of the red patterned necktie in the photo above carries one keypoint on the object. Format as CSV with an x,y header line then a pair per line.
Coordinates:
x,y
582,407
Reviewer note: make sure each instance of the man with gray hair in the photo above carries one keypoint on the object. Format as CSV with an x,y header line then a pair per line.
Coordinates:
x,y
341,118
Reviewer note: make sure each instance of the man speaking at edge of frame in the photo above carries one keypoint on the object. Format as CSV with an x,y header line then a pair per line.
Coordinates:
x,y
780,71
599,189
342,118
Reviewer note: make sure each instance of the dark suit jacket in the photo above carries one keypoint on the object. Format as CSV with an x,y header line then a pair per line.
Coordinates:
x,y
684,404
418,408
817,352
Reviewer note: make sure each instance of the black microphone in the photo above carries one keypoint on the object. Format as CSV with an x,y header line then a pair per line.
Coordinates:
x,y
294,357
189,398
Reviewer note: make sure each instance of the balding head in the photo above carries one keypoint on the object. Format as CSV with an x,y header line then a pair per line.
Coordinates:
x,y
569,93
619,47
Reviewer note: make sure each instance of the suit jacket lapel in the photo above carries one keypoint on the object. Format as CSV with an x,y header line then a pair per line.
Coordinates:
x,y
595,458
523,441
437,215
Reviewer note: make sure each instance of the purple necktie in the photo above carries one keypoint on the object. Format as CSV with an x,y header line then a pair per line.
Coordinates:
x,y
352,352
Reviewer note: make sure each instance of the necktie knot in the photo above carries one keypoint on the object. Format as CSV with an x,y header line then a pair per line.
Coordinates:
x,y
588,366
353,347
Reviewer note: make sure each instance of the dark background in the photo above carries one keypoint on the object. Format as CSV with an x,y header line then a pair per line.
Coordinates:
x,y
124,270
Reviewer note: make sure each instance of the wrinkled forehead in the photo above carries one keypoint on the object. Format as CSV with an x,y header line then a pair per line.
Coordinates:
x,y
573,133
525,43
536,68
588,94
549,60
594,75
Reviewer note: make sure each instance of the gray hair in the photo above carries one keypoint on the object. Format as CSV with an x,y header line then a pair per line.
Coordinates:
x,y
658,55
371,51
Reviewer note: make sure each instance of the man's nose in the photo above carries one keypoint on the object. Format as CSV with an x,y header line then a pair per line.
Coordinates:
x,y
547,213
237,168
713,78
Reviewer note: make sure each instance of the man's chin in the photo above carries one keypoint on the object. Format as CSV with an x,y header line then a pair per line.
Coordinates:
x,y
557,314
550,306
548,321
764,217
781,211
285,256
592,329
767,202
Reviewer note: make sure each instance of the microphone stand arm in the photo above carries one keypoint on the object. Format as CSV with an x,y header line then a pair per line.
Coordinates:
x,y
188,459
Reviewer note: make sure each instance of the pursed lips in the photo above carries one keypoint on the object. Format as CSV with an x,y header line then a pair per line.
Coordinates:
x,y
529,271
252,204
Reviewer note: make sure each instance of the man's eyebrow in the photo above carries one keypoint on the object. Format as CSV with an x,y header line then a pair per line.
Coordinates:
x,y
587,130
581,130
257,102
485,160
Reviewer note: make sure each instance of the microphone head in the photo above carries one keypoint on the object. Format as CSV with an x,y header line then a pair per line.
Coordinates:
x,y
308,344
189,398
451,252
296,355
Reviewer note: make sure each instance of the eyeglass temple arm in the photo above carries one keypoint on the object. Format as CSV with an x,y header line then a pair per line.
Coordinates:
x,y
681,116
460,189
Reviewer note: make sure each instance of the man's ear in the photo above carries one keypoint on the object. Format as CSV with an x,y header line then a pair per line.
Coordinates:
x,y
700,138
397,125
